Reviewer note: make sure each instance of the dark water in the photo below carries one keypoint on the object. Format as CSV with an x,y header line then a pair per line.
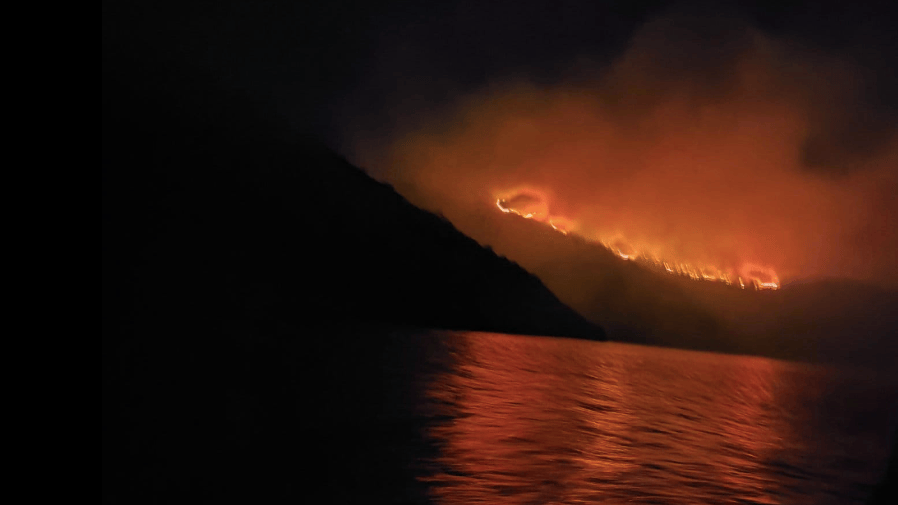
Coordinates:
x,y
474,417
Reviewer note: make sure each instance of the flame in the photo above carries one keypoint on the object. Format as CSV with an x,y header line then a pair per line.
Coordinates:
x,y
560,224
760,277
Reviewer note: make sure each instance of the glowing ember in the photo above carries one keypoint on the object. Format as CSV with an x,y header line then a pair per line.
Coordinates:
x,y
560,225
529,205
762,277
532,206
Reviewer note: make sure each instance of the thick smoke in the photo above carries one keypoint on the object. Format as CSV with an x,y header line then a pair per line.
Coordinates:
x,y
705,140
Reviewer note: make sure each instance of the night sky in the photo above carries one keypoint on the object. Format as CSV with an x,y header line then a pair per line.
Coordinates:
x,y
716,132
329,64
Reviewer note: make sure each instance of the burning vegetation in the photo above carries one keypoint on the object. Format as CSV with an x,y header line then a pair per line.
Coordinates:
x,y
529,204
708,159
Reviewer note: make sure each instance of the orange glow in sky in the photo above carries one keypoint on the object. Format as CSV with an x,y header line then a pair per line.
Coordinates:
x,y
715,171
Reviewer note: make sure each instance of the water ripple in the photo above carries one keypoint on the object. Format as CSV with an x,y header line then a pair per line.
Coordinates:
x,y
534,420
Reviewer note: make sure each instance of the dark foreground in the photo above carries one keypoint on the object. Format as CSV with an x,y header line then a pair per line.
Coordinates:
x,y
411,416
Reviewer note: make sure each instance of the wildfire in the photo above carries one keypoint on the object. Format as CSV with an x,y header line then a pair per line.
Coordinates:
x,y
501,204
525,205
531,205
560,225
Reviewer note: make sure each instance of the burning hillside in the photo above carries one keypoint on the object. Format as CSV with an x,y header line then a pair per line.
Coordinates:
x,y
530,204
710,160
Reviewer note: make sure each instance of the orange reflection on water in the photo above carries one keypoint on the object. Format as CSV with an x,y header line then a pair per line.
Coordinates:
x,y
552,420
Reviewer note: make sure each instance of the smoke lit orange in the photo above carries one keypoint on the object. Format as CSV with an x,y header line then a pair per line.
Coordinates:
x,y
716,171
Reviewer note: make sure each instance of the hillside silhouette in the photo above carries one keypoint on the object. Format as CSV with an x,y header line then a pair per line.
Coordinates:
x,y
239,259
817,320
212,209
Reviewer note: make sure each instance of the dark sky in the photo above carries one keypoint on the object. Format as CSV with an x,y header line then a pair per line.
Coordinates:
x,y
328,62
799,99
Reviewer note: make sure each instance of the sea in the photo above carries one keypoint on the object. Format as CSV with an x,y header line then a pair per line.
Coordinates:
x,y
420,416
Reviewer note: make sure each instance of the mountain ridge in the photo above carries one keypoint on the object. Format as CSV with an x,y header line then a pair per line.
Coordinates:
x,y
819,320
205,192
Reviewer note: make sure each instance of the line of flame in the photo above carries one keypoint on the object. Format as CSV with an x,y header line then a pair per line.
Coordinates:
x,y
679,268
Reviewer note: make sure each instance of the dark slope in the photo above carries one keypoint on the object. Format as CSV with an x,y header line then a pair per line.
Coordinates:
x,y
818,320
634,304
236,262
209,208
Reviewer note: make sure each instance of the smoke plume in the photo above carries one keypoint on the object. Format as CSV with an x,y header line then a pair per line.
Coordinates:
x,y
705,140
